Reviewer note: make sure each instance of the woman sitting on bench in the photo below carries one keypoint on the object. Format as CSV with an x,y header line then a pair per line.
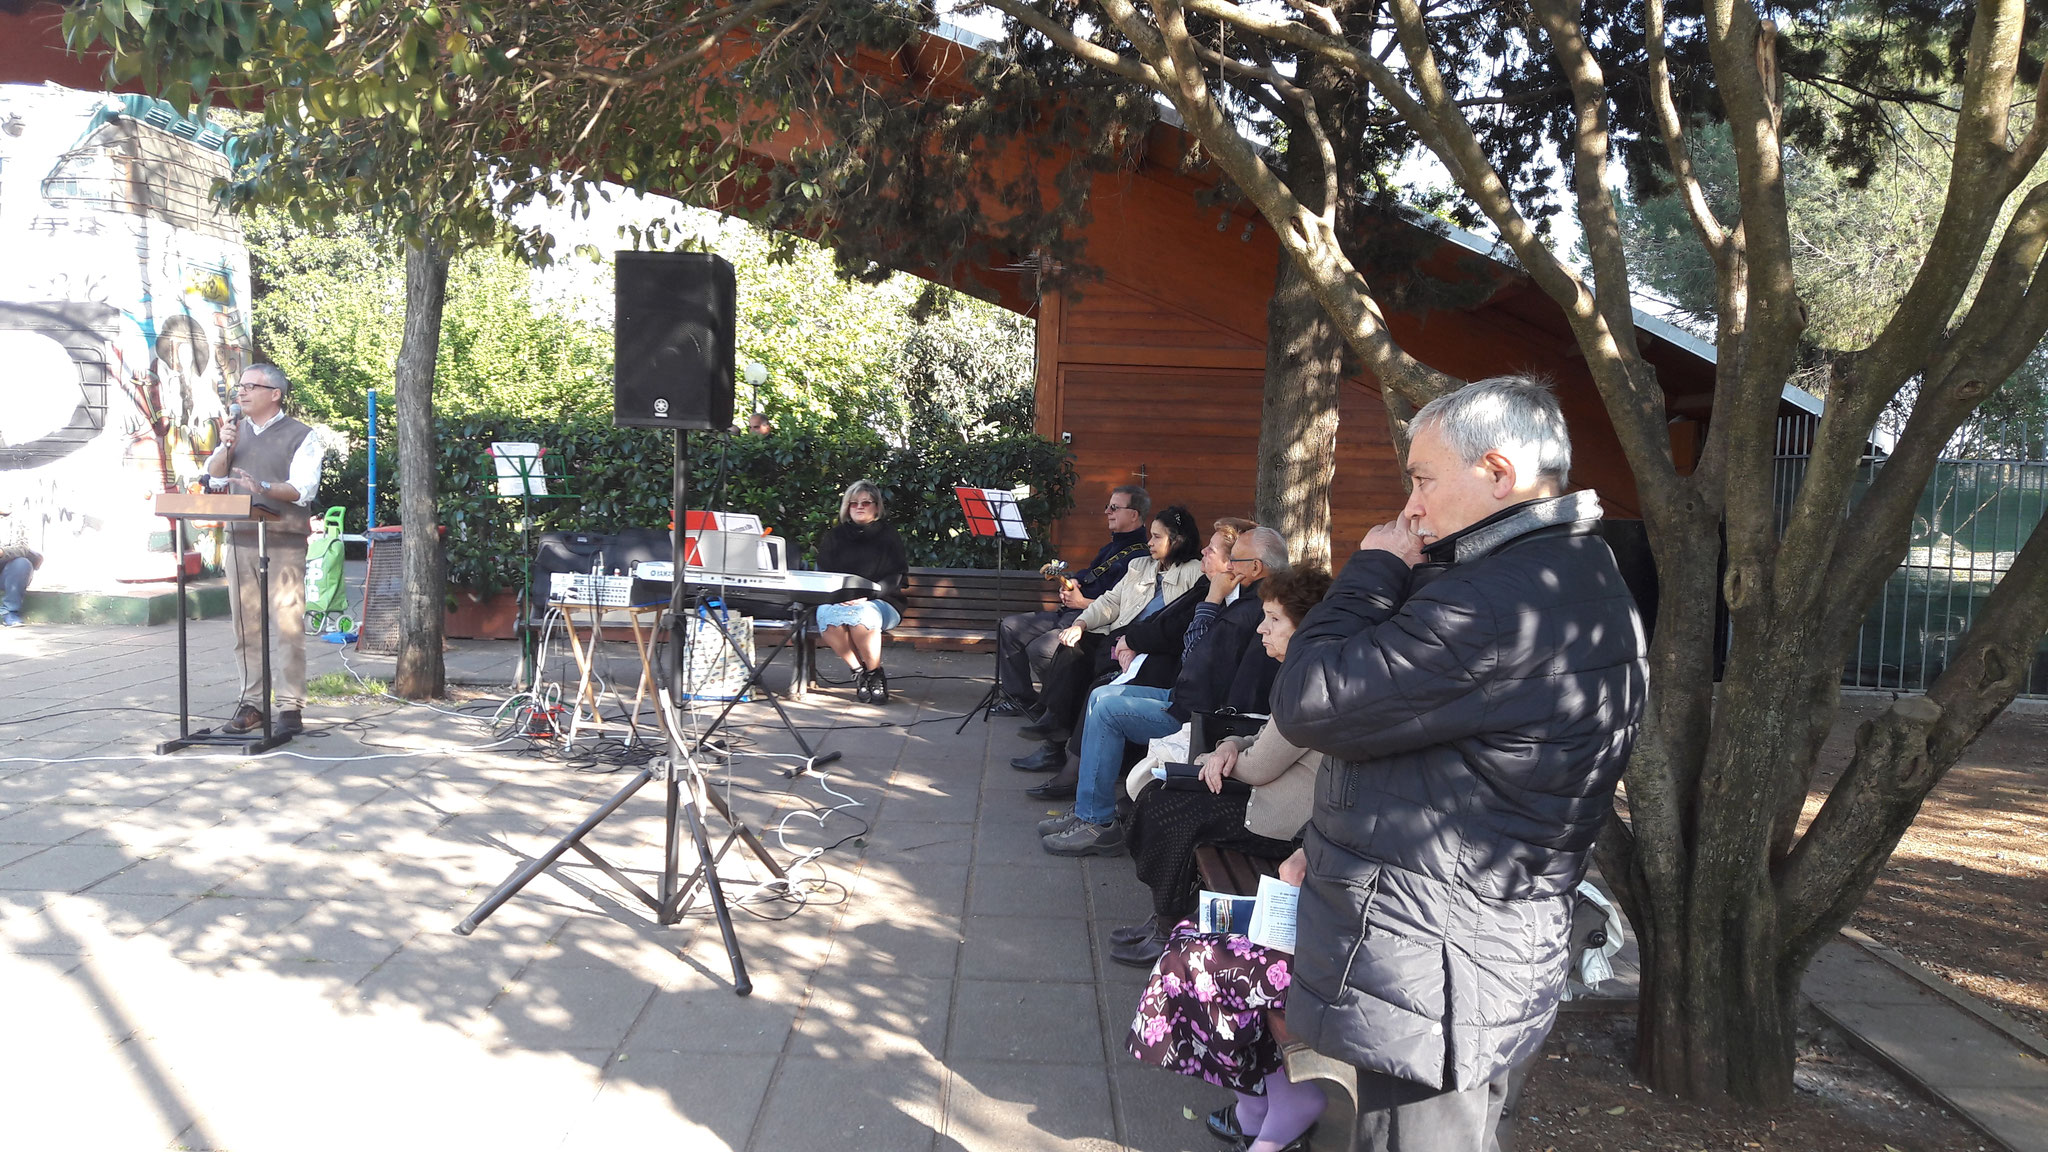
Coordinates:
x,y
1204,1012
863,544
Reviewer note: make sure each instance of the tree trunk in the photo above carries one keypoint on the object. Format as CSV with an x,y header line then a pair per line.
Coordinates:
x,y
422,613
1298,419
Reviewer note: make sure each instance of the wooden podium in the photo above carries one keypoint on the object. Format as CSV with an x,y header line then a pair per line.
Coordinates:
x,y
210,507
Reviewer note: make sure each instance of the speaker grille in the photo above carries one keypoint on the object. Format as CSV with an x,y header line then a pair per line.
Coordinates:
x,y
672,340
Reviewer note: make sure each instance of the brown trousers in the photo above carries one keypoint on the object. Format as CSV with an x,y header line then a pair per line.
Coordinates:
x,y
287,617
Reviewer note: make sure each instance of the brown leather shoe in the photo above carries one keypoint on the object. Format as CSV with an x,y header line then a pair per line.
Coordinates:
x,y
290,722
248,718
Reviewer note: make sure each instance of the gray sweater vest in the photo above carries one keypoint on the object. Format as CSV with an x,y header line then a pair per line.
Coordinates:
x,y
268,457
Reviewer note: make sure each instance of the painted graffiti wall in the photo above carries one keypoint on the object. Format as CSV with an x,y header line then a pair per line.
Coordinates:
x,y
124,316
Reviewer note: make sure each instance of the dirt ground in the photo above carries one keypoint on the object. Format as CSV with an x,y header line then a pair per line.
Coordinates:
x,y
1966,891
1965,894
1583,1099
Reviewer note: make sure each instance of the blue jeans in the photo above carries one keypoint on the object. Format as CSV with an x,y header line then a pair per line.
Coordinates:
x,y
1116,713
13,582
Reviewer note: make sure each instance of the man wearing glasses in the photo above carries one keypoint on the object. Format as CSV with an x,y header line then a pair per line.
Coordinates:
x,y
1027,640
274,458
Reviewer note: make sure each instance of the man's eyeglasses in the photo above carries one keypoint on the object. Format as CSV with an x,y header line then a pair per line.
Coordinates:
x,y
1113,509
246,386
1244,560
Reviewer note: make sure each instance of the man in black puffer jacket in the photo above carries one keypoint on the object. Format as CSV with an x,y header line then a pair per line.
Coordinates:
x,y
1477,697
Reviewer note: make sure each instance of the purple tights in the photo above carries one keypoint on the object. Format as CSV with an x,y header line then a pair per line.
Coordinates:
x,y
1277,1118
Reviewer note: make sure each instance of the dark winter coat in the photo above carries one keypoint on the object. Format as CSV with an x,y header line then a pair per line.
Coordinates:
x,y
1159,637
1229,668
1478,711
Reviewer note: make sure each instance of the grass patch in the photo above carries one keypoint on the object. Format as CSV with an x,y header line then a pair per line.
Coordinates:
x,y
341,686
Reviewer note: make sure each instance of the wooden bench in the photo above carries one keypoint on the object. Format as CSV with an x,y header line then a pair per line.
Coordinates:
x,y
956,609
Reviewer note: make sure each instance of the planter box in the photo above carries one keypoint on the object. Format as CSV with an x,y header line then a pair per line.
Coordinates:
x,y
494,617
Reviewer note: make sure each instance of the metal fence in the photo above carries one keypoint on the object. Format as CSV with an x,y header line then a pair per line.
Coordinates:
x,y
1985,498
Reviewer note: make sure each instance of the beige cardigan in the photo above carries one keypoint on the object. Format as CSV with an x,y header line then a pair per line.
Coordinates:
x,y
1121,604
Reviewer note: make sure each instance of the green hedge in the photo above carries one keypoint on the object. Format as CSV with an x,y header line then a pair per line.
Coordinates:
x,y
621,478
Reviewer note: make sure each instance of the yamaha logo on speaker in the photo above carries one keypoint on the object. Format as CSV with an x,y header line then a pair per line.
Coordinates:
x,y
661,407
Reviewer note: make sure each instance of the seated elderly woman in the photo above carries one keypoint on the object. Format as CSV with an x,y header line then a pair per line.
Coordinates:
x,y
1265,821
863,544
1204,1011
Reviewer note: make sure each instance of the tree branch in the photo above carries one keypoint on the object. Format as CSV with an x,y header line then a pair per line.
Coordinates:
x,y
1081,48
1672,128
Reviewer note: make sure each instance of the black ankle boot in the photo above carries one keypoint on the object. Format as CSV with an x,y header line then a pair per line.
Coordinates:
x,y
878,686
861,689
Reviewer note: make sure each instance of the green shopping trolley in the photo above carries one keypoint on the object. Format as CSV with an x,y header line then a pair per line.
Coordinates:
x,y
326,594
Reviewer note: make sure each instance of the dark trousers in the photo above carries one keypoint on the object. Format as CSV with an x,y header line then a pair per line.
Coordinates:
x,y
1069,678
1396,1115
1025,644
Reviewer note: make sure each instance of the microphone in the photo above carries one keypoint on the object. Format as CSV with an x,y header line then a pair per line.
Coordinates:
x,y
234,413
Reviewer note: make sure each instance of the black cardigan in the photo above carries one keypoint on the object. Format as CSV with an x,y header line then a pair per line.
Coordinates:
x,y
872,550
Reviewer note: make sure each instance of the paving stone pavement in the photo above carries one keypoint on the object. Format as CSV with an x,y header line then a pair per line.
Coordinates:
x,y
215,953
219,953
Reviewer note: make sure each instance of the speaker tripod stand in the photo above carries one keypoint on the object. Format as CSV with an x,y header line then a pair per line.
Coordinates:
x,y
685,796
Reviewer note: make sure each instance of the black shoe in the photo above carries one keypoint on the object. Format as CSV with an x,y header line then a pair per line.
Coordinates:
x,y
861,691
1008,706
878,686
247,719
1141,953
289,723
1051,790
1044,731
1134,933
1222,1124
1050,758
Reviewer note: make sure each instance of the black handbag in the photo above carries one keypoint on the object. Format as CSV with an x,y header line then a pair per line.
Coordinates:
x,y
1206,728
1188,778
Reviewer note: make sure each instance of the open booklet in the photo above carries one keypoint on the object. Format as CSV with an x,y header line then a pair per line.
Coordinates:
x,y
1266,919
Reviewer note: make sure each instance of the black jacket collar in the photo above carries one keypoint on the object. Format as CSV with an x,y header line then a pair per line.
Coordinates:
x,y
1476,540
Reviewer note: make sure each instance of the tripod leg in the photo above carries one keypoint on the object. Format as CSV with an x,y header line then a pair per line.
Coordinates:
x,y
741,986
539,864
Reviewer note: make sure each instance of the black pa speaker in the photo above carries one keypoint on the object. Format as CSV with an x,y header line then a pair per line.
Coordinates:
x,y
672,340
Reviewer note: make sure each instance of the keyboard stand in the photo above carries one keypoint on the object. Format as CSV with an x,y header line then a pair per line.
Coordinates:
x,y
753,683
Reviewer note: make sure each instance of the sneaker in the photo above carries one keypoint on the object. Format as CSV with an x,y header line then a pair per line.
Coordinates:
x,y
1085,839
1008,706
1059,823
14,620
878,687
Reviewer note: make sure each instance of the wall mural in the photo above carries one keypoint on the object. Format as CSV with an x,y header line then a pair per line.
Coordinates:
x,y
124,317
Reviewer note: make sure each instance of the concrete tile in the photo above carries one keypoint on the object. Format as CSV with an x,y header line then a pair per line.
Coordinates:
x,y
1000,1106
918,845
166,875
1150,1103
897,944
701,1014
1020,948
1000,889
2018,1118
673,1100
873,1018
220,927
339,933
54,823
830,1104
1944,1046
1114,891
455,991
1844,972
940,890
1003,1020
568,1001
65,867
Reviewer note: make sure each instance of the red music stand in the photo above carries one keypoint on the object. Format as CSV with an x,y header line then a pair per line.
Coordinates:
x,y
992,512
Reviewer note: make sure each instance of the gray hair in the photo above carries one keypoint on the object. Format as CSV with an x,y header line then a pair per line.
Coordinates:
x,y
1269,546
1511,414
1140,499
857,488
273,377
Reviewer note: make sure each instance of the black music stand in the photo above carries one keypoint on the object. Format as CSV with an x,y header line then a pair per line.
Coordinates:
x,y
179,507
680,808
992,512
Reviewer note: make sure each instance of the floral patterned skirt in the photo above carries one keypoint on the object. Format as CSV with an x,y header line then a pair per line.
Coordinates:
x,y
1204,1010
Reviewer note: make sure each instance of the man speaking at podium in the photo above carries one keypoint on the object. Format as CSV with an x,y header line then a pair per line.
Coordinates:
x,y
274,458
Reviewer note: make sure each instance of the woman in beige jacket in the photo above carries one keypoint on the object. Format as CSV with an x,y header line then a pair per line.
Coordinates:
x,y
1169,824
